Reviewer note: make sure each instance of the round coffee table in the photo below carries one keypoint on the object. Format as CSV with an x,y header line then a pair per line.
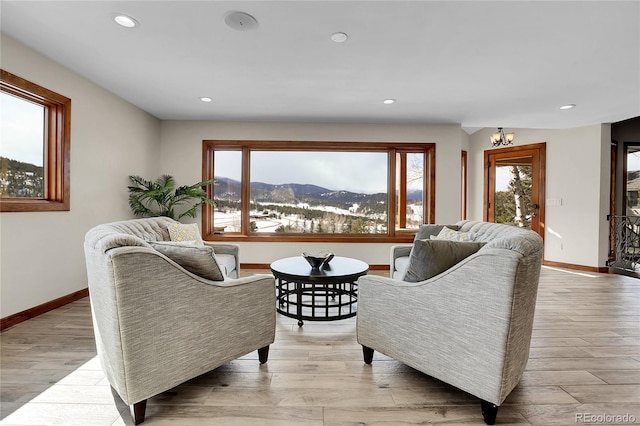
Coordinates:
x,y
326,294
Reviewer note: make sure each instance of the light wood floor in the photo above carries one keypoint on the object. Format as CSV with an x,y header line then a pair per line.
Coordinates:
x,y
585,361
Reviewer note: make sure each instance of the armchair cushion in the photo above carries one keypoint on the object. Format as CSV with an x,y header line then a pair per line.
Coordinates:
x,y
197,259
432,257
401,264
227,264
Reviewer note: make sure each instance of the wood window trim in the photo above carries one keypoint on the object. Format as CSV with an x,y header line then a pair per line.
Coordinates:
x,y
401,184
463,202
394,236
625,154
57,146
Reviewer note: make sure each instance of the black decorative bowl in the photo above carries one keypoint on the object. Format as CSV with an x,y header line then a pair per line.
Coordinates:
x,y
318,260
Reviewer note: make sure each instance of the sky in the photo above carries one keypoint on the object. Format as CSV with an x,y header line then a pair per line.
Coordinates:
x,y
503,176
20,139
633,161
350,171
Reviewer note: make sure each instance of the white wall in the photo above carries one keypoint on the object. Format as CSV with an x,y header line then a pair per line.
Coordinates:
x,y
578,172
41,254
181,156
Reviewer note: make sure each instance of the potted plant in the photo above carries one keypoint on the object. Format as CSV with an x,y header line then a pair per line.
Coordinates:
x,y
162,198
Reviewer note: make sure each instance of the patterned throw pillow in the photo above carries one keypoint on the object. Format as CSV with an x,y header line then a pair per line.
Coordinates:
x,y
197,259
180,232
451,235
432,257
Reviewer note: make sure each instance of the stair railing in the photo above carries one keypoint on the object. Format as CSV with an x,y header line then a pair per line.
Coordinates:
x,y
624,243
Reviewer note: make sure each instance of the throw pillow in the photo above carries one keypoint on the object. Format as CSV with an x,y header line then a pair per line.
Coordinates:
x,y
432,257
197,259
452,235
184,232
427,230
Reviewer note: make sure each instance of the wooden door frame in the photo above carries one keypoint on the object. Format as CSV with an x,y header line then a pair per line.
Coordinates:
x,y
463,189
613,193
625,173
535,150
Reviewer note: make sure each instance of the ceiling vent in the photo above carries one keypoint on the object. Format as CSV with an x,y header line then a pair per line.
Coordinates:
x,y
240,21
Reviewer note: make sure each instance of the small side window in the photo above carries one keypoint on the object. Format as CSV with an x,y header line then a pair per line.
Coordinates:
x,y
34,155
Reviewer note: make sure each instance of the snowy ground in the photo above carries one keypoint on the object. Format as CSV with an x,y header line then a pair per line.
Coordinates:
x,y
231,220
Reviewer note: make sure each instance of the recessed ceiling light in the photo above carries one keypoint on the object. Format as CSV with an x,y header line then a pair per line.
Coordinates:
x,y
339,37
388,101
126,21
205,99
568,106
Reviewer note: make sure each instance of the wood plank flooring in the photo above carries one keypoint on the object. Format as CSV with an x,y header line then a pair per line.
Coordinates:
x,y
584,366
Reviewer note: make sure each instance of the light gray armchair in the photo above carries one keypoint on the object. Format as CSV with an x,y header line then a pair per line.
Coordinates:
x,y
158,325
470,326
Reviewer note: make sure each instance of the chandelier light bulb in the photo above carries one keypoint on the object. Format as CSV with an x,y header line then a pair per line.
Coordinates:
x,y
501,138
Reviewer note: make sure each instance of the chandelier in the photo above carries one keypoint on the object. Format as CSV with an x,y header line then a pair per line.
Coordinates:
x,y
501,138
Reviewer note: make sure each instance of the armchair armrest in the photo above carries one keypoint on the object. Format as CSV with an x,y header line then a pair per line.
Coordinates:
x,y
226,248
397,251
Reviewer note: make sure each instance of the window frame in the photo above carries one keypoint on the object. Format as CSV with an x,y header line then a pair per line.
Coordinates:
x,y
57,145
246,146
629,148
463,186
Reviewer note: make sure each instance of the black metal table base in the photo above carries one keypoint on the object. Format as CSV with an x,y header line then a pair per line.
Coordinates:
x,y
317,301
328,293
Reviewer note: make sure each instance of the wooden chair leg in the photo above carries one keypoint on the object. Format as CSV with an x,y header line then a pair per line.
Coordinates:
x,y
368,354
137,411
489,412
263,354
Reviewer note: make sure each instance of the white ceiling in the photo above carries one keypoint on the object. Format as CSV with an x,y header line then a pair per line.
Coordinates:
x,y
477,63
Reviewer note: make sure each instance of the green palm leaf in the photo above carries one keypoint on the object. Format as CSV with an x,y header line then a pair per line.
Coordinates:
x,y
162,198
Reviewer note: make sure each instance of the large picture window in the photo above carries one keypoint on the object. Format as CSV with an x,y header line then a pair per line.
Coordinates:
x,y
34,154
315,191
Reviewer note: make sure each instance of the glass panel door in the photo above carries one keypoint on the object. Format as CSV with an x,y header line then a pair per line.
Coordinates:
x,y
514,186
633,181
513,192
